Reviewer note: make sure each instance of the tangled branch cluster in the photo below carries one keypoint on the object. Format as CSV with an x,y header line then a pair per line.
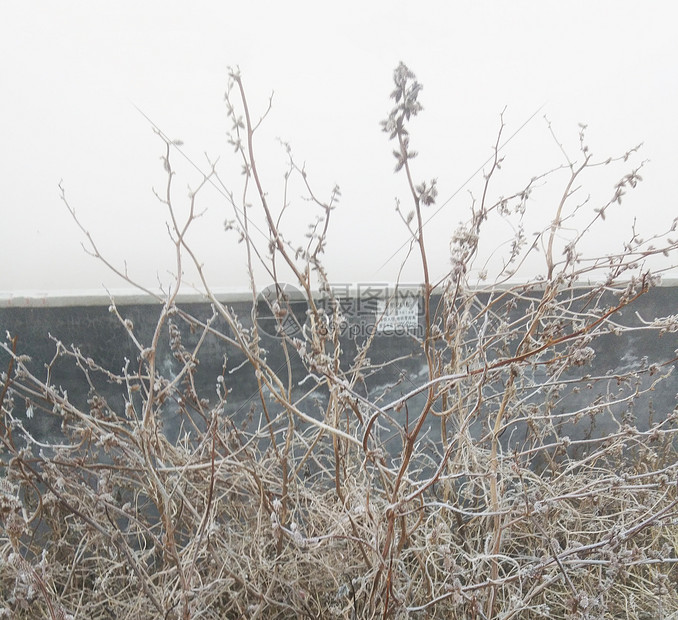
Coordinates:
x,y
484,487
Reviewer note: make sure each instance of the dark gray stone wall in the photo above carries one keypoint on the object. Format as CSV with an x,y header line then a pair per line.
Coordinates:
x,y
100,336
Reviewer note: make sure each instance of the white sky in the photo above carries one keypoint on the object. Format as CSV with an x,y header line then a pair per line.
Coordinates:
x,y
71,72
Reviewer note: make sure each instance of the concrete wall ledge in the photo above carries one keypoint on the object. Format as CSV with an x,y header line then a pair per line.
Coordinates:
x,y
125,297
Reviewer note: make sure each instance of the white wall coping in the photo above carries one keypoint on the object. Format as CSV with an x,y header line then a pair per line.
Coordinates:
x,y
91,297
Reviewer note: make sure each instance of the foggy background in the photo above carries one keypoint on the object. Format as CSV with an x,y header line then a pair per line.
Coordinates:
x,y
73,72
